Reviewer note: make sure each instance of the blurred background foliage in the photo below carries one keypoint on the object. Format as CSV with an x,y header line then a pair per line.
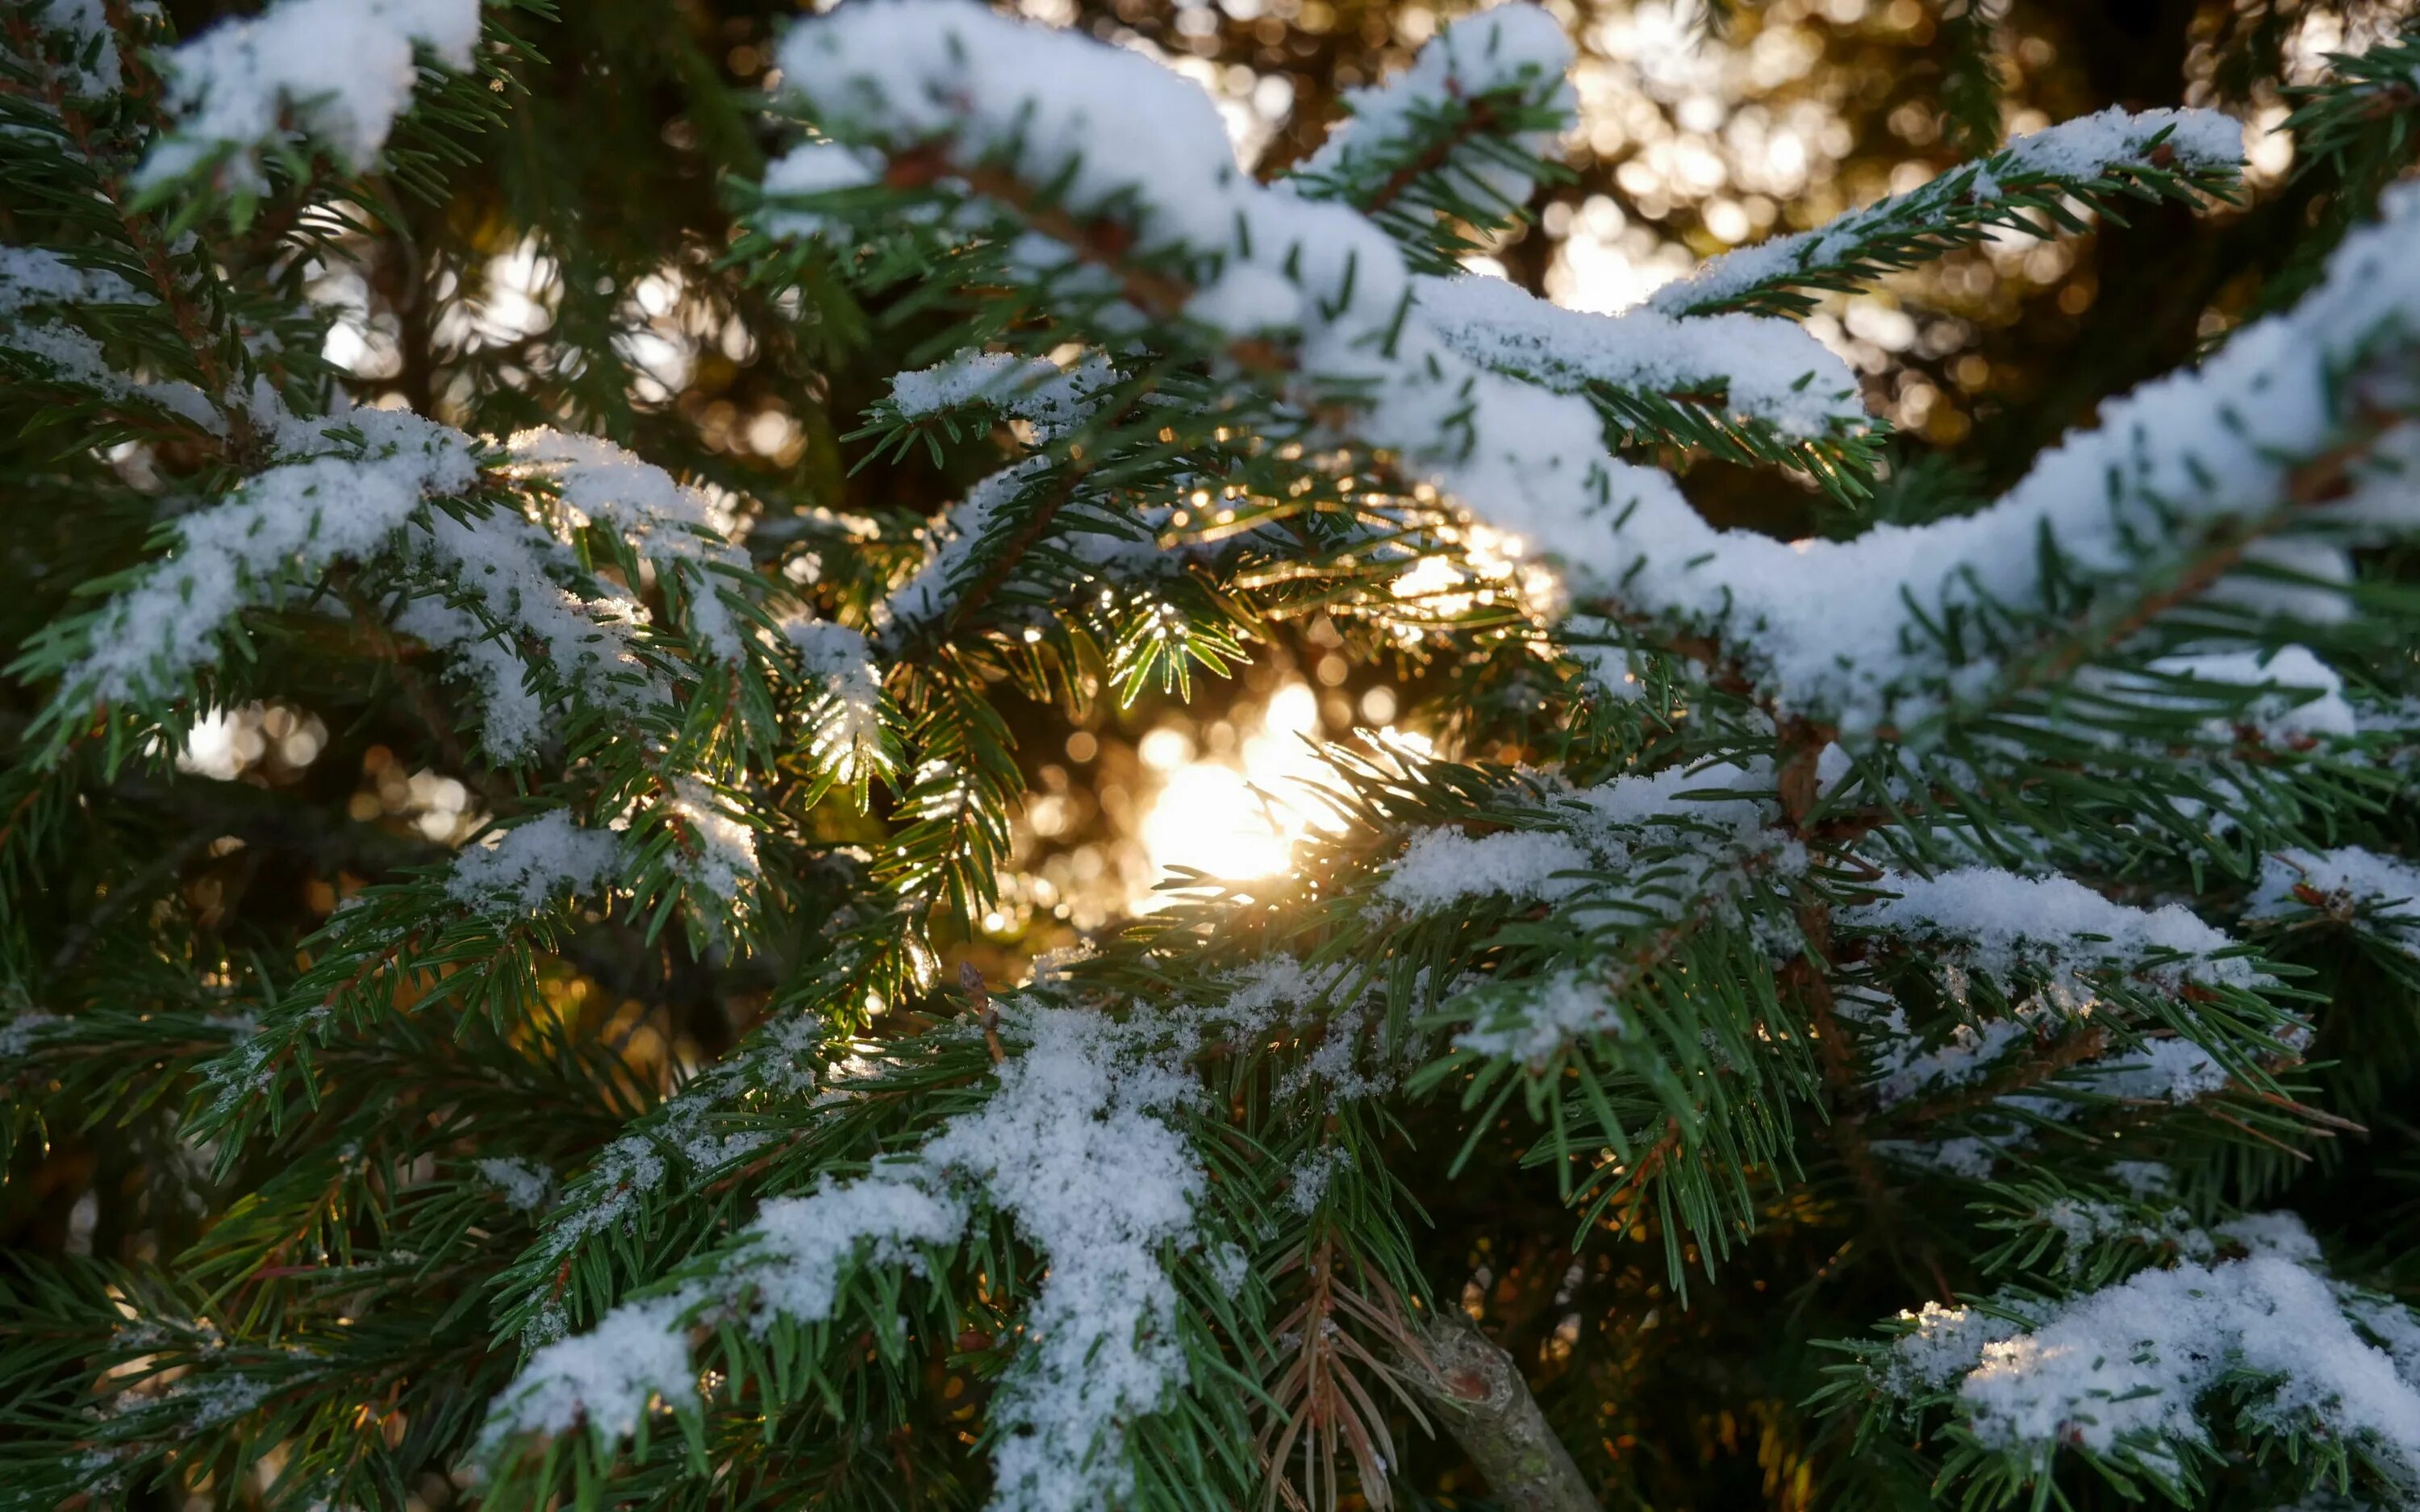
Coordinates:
x,y
568,265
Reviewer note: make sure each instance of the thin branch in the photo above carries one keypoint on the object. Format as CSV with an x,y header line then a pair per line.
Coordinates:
x,y
1486,1406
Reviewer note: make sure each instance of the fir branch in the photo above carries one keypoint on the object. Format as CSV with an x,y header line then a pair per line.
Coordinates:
x,y
1480,1396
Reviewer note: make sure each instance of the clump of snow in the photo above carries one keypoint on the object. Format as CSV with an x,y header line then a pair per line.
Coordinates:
x,y
1245,301
800,1249
2083,1223
1655,845
1905,1067
19,1032
74,357
216,1399
929,594
504,572
1542,1018
717,850
599,483
1053,398
1970,1156
2009,925
2127,1368
1308,1179
529,865
297,517
2304,700
780,1058
80,25
2144,1178
513,716
2349,882
1255,993
2159,1070
1075,1146
1443,866
31,275
809,169
2292,578
605,1378
342,71
846,716
1942,1344
526,1185
351,485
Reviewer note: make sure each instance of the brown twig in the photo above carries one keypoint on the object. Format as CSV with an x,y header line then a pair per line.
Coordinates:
x,y
970,982
1482,117
1486,1405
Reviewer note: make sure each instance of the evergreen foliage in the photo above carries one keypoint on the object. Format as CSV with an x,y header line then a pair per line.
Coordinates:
x,y
1899,1000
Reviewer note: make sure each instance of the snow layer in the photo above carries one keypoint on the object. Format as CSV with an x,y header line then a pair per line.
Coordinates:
x,y
2171,459
846,716
78,25
344,69
1766,369
809,169
356,484
2304,700
1054,399
2007,925
1655,847
930,595
1542,1018
300,516
1443,866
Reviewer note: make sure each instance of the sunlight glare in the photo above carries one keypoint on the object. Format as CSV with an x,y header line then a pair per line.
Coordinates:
x,y
1238,817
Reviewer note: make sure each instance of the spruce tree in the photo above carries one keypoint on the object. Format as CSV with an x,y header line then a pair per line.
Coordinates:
x,y
1901,994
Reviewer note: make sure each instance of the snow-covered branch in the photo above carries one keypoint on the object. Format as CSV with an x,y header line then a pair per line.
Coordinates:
x,y
1077,1147
341,70
1461,135
2091,158
2137,1372
1758,367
